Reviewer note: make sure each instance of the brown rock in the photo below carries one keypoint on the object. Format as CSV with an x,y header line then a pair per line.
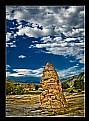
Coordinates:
x,y
50,90
51,96
44,100
45,92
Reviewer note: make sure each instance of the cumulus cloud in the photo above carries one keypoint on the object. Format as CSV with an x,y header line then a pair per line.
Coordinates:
x,y
71,61
68,20
33,32
68,46
7,74
21,56
70,71
64,18
11,44
38,72
46,39
8,36
25,72
70,39
7,67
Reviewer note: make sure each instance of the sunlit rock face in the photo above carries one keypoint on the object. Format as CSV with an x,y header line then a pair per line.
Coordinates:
x,y
51,96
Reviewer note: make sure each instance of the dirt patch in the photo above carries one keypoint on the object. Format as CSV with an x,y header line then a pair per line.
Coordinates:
x,y
27,105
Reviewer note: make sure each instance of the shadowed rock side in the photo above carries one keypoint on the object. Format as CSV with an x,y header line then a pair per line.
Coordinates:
x,y
51,96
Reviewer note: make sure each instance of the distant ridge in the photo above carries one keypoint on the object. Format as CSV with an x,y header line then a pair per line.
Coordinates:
x,y
30,81
71,80
26,81
66,80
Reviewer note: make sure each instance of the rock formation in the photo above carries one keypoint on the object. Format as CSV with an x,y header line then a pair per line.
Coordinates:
x,y
51,96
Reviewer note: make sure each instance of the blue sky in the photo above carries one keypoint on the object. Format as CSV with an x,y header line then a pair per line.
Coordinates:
x,y
39,34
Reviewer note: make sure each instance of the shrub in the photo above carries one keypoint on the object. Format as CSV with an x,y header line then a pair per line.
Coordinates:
x,y
8,89
71,91
79,84
79,90
65,85
36,87
13,89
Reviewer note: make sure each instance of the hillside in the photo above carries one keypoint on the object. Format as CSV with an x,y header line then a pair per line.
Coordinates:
x,y
76,81
14,87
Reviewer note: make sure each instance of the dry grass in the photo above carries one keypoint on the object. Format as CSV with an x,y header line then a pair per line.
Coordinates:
x,y
20,99
75,103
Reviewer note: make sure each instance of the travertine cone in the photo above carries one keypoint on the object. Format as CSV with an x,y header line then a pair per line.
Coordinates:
x,y
51,96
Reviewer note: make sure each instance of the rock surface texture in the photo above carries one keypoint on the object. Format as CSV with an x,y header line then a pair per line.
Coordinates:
x,y
51,96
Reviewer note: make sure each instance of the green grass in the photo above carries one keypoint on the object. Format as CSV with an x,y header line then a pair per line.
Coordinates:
x,y
69,89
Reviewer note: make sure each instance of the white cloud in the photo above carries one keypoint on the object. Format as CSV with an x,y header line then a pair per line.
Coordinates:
x,y
11,44
70,39
19,14
71,61
25,30
8,36
21,56
19,27
57,38
64,47
38,72
7,67
7,74
7,45
64,18
70,71
46,39
33,32
25,72
68,20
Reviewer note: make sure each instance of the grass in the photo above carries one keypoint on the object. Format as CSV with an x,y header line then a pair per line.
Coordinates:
x,y
69,89
35,92
75,103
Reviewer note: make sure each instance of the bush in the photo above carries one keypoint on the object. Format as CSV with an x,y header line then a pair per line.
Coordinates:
x,y
20,90
8,89
36,87
79,84
71,91
13,89
79,90
65,85
34,92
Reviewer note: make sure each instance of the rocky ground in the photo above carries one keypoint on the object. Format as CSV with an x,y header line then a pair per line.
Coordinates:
x,y
27,105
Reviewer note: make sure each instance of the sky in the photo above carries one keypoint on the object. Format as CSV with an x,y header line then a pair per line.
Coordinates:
x,y
36,35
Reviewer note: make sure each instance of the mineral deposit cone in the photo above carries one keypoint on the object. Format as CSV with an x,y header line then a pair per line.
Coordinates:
x,y
51,96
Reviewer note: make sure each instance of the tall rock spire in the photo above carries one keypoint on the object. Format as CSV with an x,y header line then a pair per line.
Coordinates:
x,y
51,96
